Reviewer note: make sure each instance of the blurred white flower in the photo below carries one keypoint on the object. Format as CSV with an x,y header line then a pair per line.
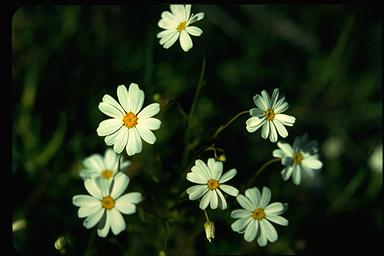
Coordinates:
x,y
302,158
19,225
105,204
268,115
376,159
254,221
333,147
106,167
209,227
177,24
211,182
128,124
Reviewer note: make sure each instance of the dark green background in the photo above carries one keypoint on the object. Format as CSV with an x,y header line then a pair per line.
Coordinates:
x,y
326,60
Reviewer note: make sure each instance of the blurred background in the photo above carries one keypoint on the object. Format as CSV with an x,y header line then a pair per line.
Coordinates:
x,y
326,60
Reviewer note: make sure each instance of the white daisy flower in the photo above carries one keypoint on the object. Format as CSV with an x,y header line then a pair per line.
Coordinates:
x,y
105,204
268,115
177,25
128,124
302,158
106,167
210,180
256,217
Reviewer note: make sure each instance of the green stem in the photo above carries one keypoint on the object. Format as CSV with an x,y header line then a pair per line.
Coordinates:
x,y
222,127
206,215
261,169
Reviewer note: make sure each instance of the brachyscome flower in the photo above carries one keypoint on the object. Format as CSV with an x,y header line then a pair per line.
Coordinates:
x,y
256,217
106,203
106,167
209,227
177,24
211,182
268,115
300,158
128,124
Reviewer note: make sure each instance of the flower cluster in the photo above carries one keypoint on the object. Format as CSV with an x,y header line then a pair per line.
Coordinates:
x,y
129,124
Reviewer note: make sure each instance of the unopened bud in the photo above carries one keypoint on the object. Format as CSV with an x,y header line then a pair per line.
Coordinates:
x,y
209,227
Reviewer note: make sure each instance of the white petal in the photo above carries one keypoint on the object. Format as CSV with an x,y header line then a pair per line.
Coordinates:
x,y
178,10
269,230
88,210
205,201
187,11
308,171
131,147
265,197
273,135
265,130
312,163
85,201
125,207
166,15
245,203
103,185
296,175
203,169
274,98
104,231
109,126
94,162
92,188
149,111
251,231
266,98
171,41
214,200
93,219
216,168
117,221
287,149
274,208
261,239
135,98
167,24
277,219
197,191
254,123
260,102
229,190
256,112
240,213
146,134
240,224
278,153
110,139
285,119
110,159
287,161
137,142
166,35
185,41
280,128
281,106
110,110
196,178
195,17
227,176
286,173
254,196
149,123
194,31
109,100
121,140
121,182
122,95
132,197
222,201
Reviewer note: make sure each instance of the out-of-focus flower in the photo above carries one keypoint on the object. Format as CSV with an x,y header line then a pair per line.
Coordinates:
x,y
333,147
19,225
268,115
128,125
376,159
211,182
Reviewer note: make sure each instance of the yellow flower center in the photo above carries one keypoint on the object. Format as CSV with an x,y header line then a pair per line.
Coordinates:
x,y
297,158
258,214
108,202
130,120
269,114
213,184
106,174
181,26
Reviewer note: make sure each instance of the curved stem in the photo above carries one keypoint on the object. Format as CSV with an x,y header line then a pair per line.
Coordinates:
x,y
206,215
261,169
222,127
